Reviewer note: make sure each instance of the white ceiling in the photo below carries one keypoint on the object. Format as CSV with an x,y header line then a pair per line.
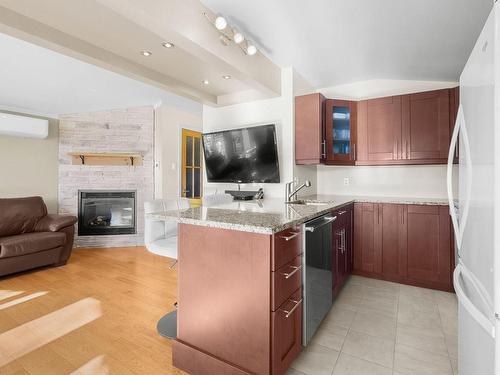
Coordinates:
x,y
40,81
332,42
111,34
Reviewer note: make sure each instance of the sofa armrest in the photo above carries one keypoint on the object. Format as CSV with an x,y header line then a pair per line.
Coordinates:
x,y
54,223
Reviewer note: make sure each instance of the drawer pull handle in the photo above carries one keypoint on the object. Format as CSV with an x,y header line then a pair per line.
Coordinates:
x,y
288,313
342,212
288,238
295,270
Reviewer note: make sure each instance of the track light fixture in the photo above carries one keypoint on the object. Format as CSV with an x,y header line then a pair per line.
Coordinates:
x,y
230,34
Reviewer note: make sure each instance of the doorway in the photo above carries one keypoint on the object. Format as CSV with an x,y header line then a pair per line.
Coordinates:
x,y
191,168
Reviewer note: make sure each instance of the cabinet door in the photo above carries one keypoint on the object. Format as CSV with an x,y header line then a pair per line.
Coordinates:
x,y
379,130
367,256
426,125
429,245
392,241
341,131
349,238
338,259
454,104
310,144
286,334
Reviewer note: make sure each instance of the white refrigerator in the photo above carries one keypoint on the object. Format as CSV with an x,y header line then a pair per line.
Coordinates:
x,y
475,212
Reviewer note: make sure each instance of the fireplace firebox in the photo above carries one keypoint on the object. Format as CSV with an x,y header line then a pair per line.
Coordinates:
x,y
106,212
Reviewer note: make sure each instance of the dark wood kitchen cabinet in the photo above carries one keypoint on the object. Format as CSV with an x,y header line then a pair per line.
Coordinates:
x,y
395,130
406,129
240,301
342,256
367,260
409,244
310,143
341,132
379,131
426,126
454,104
430,254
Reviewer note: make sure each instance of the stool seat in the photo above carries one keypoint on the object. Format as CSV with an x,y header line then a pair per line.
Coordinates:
x,y
166,247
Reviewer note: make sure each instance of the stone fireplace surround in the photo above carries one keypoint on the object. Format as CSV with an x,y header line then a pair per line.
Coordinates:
x,y
124,130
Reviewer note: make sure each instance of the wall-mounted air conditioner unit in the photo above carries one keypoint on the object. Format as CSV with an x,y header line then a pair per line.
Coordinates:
x,y
21,126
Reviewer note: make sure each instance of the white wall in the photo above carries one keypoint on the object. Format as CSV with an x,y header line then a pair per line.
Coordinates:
x,y
29,166
277,111
169,122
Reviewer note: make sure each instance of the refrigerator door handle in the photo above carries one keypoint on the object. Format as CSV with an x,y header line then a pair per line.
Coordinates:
x,y
449,176
460,129
476,314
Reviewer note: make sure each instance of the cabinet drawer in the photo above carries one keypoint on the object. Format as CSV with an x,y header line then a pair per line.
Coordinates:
x,y
286,246
285,281
286,333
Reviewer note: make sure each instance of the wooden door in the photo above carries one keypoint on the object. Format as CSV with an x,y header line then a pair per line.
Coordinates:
x,y
393,242
367,256
191,168
341,132
310,146
429,245
426,126
379,130
286,333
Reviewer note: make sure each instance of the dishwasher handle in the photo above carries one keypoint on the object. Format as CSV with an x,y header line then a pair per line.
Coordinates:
x,y
328,220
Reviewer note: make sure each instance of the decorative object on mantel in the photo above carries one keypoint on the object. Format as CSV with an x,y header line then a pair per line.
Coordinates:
x,y
93,158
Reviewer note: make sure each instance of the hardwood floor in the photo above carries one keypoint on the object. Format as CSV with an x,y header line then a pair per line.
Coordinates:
x,y
96,315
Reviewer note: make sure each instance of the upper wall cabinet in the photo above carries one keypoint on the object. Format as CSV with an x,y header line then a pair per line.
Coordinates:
x,y
310,144
426,126
404,129
379,131
341,132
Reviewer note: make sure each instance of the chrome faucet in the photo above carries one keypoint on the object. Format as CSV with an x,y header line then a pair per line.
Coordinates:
x,y
291,195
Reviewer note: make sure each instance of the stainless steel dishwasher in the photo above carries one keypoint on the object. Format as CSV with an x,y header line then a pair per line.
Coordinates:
x,y
317,273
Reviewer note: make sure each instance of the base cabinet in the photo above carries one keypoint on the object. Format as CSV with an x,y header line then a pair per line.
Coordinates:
x,y
240,301
409,244
286,333
342,257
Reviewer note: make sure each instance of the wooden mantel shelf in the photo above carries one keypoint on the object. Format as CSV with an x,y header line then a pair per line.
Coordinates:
x,y
96,158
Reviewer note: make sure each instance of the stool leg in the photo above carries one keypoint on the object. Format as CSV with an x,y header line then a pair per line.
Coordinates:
x,y
167,325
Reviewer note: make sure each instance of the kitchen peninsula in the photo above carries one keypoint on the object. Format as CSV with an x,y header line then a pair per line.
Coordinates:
x,y
240,292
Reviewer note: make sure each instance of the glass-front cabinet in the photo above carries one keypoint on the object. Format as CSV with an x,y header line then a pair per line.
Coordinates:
x,y
340,132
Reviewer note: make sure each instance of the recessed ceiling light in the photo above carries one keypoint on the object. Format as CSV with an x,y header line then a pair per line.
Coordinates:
x,y
226,76
168,44
146,53
205,82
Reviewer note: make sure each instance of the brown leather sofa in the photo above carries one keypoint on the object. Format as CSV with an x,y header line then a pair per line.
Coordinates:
x,y
30,238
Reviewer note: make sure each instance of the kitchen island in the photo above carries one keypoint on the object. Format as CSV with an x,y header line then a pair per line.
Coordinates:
x,y
240,291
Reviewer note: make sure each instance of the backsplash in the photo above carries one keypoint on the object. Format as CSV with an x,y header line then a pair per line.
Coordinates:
x,y
423,181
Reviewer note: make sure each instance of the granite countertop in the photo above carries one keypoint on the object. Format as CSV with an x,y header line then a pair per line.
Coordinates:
x,y
270,216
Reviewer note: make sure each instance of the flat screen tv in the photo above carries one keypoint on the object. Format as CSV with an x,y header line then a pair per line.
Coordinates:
x,y
242,155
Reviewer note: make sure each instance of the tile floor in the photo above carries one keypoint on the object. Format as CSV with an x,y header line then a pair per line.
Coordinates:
x,y
381,328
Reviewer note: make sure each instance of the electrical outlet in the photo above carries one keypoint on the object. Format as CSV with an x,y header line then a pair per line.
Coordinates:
x,y
347,181
295,181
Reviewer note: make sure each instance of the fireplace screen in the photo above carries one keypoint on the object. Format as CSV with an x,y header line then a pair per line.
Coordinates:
x,y
106,212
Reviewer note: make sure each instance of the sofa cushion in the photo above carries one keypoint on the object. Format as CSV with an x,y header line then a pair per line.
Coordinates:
x,y
29,243
20,215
